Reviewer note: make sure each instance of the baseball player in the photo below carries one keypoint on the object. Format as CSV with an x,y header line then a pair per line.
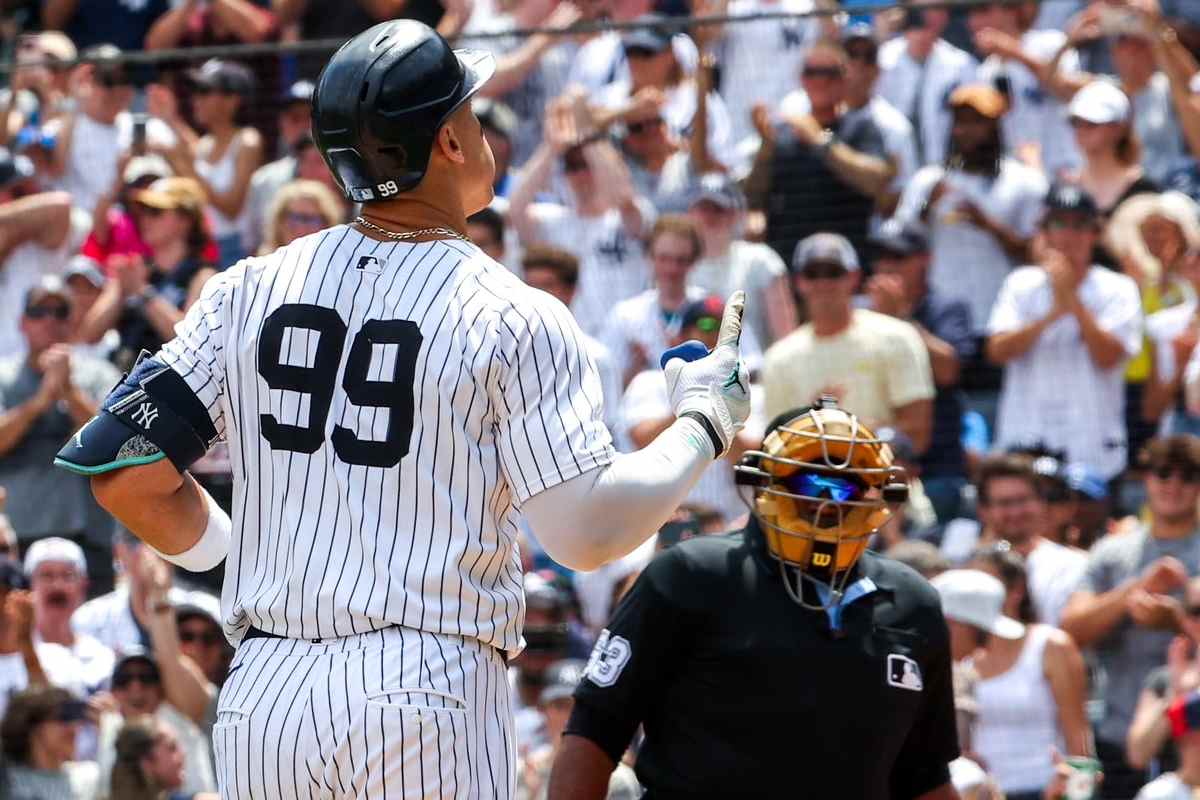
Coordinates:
x,y
392,399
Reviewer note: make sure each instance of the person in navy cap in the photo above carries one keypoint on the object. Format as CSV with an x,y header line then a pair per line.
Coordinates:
x,y
1066,327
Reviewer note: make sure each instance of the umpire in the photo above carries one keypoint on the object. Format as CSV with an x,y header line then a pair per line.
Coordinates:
x,y
780,659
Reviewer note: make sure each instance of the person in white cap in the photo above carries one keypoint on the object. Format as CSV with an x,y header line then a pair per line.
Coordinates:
x,y
1031,685
57,575
1112,151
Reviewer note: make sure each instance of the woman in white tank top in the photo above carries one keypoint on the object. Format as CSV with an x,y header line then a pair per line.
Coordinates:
x,y
1031,691
225,157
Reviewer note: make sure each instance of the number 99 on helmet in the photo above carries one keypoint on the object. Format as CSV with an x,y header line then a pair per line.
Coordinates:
x,y
822,484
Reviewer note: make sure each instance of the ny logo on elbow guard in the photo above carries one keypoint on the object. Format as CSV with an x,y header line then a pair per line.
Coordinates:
x,y
145,415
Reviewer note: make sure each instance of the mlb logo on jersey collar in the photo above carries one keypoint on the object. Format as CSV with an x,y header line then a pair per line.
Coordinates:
x,y
904,673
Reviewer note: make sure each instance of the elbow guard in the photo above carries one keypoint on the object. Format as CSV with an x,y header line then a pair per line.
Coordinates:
x,y
151,414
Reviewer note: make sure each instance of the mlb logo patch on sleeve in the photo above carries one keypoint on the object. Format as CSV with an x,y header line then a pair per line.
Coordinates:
x,y
904,673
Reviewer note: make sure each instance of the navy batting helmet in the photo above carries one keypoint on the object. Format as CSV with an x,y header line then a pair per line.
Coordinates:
x,y
381,100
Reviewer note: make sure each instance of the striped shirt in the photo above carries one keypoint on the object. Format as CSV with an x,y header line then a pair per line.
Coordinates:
x,y
387,407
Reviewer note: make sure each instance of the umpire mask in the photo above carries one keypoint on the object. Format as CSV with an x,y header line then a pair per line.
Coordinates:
x,y
822,484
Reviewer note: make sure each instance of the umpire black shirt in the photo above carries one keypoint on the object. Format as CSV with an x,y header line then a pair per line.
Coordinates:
x,y
743,693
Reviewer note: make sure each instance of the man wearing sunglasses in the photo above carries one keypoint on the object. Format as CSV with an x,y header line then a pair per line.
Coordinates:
x,y
46,393
876,365
1128,605
805,634
1062,329
822,170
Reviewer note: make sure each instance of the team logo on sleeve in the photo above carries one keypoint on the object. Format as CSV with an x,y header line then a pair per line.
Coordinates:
x,y
609,657
145,415
904,673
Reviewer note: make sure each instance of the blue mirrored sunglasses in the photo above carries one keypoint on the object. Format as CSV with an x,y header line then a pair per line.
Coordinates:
x,y
812,484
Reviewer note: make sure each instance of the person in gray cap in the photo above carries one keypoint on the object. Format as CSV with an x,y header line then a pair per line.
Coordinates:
x,y
729,262
45,395
875,365
85,281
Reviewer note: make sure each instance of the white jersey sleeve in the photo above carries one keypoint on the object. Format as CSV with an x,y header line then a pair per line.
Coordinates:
x,y
197,352
549,400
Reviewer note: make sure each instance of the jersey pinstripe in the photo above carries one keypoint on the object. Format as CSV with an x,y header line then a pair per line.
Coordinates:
x,y
387,407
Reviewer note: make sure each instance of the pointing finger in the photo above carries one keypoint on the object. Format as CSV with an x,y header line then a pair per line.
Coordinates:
x,y
731,323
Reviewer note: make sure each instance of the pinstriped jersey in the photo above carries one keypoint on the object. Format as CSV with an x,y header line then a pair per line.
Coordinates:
x,y
387,407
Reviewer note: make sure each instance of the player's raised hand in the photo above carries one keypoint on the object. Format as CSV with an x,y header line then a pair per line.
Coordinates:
x,y
712,386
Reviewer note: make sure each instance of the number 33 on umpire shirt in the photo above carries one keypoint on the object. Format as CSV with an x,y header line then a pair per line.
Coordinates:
x,y
743,693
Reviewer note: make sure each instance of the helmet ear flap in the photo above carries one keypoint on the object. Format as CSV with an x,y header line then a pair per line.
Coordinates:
x,y
749,472
895,490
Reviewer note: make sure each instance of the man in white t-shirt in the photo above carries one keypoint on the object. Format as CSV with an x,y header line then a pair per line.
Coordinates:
x,y
602,224
57,575
980,210
530,70
729,263
919,72
876,366
98,128
1064,330
601,60
1036,129
1011,509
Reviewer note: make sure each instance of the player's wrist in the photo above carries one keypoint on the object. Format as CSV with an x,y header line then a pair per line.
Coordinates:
x,y
700,432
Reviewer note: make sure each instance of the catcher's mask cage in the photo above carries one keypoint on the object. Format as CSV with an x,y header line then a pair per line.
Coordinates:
x,y
822,484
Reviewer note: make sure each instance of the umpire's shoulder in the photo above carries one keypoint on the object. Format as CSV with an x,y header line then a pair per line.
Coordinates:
x,y
691,568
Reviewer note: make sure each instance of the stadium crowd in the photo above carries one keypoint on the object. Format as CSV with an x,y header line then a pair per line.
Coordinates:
x,y
976,227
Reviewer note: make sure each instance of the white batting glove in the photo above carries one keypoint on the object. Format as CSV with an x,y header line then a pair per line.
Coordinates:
x,y
712,387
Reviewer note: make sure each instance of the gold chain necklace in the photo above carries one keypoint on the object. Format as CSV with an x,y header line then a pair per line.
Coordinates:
x,y
409,235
